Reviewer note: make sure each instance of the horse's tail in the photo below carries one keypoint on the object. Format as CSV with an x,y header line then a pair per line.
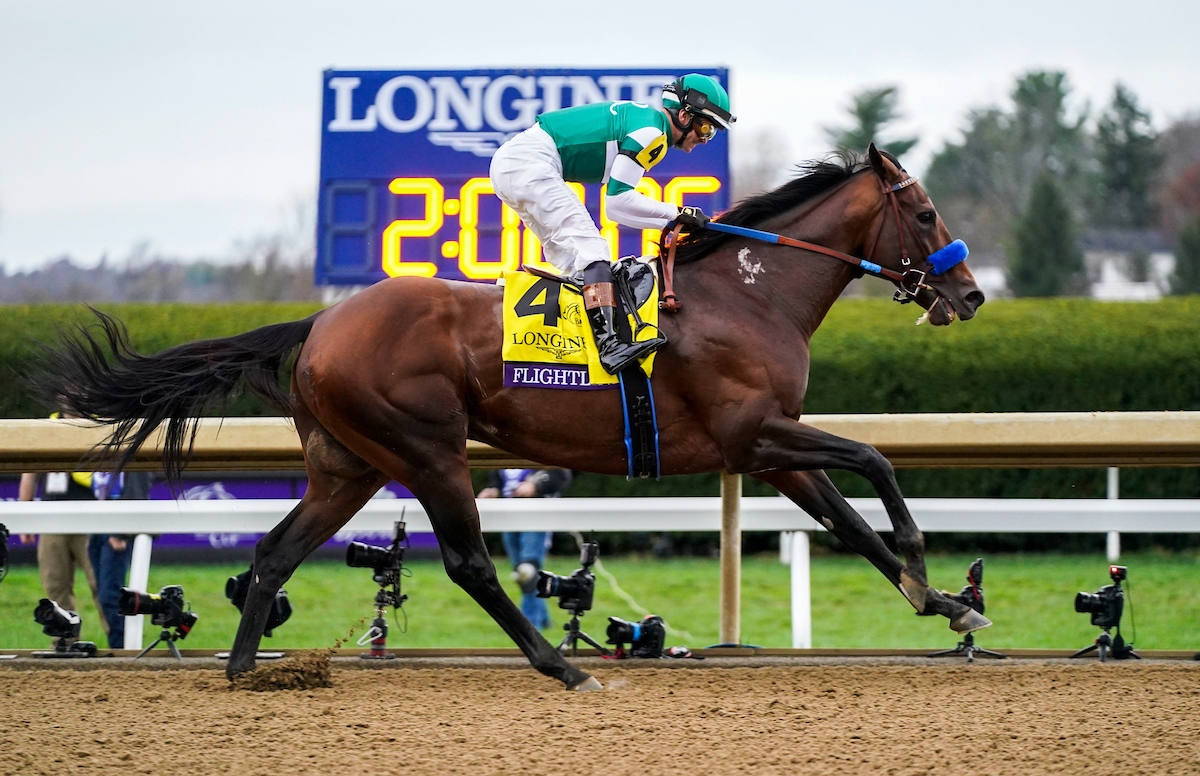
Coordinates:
x,y
136,394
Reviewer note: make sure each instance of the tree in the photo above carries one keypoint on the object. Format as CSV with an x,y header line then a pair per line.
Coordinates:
x,y
1003,153
1045,261
1186,278
872,110
760,162
1129,161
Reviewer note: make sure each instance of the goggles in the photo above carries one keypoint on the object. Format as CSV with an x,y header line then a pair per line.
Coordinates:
x,y
705,128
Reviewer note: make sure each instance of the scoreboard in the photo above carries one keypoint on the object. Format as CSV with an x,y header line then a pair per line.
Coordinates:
x,y
404,186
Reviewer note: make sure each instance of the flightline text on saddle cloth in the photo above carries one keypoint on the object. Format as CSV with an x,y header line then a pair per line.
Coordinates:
x,y
404,187
547,340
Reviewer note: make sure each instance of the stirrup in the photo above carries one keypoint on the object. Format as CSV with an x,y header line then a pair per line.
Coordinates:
x,y
619,359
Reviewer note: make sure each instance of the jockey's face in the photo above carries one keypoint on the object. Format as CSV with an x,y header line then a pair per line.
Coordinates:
x,y
692,139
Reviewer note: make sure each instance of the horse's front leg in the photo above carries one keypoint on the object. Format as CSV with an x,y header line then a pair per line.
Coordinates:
x,y
783,443
813,492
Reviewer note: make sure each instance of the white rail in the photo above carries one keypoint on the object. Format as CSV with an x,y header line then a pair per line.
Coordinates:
x,y
1106,516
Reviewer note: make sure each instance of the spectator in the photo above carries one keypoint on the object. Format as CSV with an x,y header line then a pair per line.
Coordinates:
x,y
527,550
110,554
60,555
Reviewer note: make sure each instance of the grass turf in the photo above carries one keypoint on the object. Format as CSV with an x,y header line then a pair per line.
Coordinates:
x,y
1029,597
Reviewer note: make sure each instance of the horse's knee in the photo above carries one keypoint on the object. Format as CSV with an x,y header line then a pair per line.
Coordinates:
x,y
875,463
471,573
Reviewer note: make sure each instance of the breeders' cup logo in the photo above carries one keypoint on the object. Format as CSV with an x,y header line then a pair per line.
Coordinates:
x,y
476,113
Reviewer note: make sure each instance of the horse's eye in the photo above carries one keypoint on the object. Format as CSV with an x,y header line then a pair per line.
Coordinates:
x,y
926,216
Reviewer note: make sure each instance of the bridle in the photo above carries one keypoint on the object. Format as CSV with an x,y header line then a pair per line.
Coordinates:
x,y
909,281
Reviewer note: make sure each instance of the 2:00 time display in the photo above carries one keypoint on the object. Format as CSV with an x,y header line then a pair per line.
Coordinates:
x,y
517,245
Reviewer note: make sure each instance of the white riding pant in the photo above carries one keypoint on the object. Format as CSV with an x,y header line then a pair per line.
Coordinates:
x,y
527,176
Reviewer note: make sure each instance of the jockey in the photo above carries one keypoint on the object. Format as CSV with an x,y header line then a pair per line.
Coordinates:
x,y
613,143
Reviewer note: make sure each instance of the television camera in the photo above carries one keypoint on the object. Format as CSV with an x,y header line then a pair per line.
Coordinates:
x,y
574,594
972,596
236,590
64,625
645,638
387,566
3,551
167,609
1105,608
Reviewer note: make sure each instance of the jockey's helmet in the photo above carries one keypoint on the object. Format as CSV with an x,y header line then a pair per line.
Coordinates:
x,y
701,96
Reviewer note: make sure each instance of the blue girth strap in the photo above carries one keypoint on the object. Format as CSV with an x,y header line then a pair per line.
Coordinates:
x,y
641,424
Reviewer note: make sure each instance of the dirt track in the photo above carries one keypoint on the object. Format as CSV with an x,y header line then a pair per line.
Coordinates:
x,y
881,718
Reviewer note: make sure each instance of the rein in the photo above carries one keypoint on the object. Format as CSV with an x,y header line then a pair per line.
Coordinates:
x,y
909,282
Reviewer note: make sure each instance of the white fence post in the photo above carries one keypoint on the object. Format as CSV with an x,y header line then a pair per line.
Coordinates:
x,y
139,577
801,592
1113,543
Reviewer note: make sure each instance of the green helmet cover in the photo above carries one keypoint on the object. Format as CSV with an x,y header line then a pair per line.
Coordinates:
x,y
699,94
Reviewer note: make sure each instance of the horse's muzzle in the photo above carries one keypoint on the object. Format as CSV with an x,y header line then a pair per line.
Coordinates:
x,y
973,301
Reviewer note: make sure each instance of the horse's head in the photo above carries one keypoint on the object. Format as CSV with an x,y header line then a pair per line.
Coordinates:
x,y
910,236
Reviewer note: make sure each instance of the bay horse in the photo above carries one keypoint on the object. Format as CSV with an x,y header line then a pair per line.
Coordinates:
x,y
390,383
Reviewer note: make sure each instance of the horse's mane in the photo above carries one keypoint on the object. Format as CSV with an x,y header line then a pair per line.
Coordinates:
x,y
814,177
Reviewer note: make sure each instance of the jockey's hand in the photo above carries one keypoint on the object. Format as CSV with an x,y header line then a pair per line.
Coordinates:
x,y
691,218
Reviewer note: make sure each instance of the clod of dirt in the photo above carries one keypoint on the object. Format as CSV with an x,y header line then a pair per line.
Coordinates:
x,y
302,671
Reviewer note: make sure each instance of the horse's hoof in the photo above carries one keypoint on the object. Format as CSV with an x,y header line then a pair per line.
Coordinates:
x,y
587,685
968,621
916,592
232,672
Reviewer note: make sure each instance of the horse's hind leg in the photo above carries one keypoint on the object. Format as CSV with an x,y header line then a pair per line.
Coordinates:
x,y
339,483
785,444
813,492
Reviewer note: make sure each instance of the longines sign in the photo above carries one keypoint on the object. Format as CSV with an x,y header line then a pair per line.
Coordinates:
x,y
404,186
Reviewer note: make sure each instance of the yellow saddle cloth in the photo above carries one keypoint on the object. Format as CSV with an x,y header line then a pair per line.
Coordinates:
x,y
548,341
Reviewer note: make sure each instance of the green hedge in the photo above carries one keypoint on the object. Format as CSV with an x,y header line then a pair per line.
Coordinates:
x,y
1017,355
152,327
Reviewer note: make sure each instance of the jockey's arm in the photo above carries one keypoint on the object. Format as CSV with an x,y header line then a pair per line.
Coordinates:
x,y
629,207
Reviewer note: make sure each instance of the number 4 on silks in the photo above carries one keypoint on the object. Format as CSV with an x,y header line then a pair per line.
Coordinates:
x,y
548,309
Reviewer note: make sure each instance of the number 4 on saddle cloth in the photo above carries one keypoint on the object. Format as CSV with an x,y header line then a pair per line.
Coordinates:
x,y
548,343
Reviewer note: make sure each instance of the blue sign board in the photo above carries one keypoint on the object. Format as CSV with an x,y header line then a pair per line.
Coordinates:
x,y
404,186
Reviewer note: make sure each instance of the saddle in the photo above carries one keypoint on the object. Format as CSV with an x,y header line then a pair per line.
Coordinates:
x,y
633,280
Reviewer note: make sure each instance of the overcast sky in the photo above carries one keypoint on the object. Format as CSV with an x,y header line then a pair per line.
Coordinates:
x,y
192,126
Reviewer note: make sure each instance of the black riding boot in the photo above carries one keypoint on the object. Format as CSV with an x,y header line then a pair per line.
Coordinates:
x,y
615,354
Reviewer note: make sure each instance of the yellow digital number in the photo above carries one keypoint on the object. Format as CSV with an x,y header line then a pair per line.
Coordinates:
x,y
468,234
608,228
393,264
701,184
532,254
651,189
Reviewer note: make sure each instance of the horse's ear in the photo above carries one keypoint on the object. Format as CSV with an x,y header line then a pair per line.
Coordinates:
x,y
883,167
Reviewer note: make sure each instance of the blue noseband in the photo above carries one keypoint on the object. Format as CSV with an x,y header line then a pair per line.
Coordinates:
x,y
945,258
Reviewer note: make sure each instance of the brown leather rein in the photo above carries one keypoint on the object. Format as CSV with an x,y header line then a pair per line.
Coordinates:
x,y
909,281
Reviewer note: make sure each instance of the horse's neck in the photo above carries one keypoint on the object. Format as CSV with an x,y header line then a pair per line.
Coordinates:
x,y
799,286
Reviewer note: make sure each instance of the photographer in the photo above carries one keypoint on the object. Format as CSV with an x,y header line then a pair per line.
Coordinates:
x,y
110,554
527,550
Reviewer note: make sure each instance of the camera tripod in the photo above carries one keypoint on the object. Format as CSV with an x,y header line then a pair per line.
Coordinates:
x,y
376,635
967,647
1106,645
575,635
166,636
